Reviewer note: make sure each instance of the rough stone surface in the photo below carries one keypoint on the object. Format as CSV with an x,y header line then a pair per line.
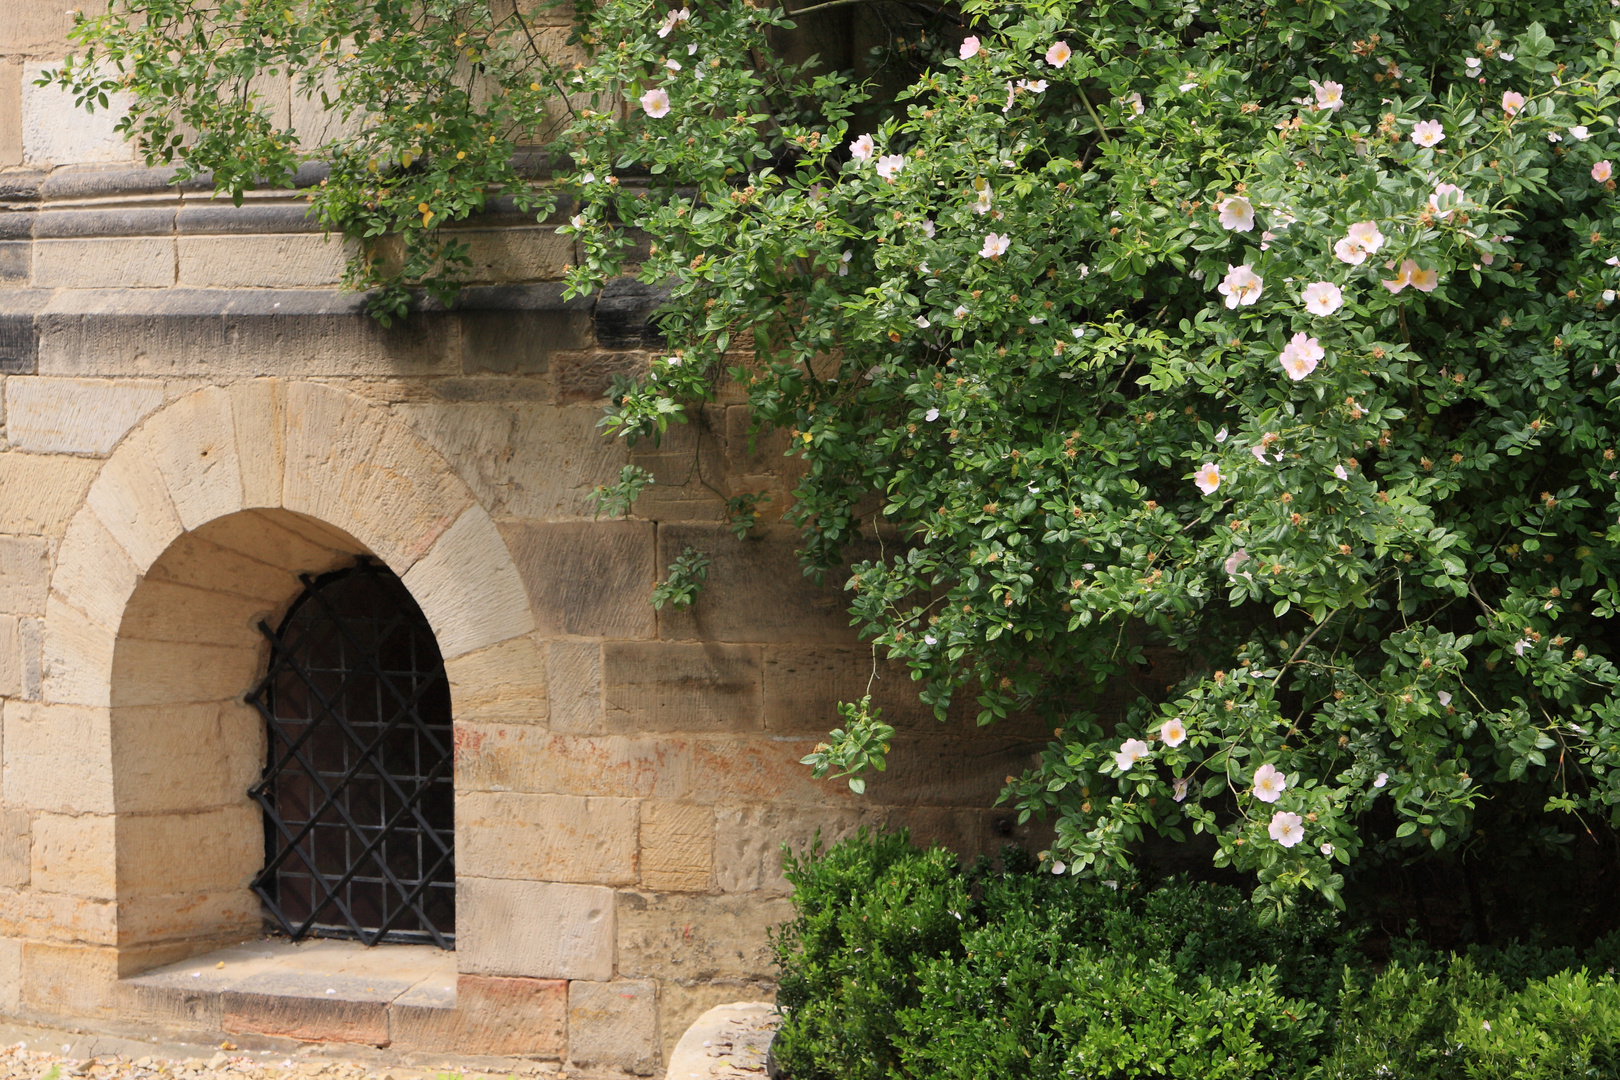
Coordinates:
x,y
546,837
537,929
681,936
260,262
727,1040
680,686
614,1025
677,846
499,1016
56,132
38,493
25,568
75,416
587,580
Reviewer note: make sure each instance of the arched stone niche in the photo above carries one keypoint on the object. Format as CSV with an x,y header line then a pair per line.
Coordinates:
x,y
196,528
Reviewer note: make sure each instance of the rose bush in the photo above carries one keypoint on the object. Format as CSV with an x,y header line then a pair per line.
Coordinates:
x,y
1280,336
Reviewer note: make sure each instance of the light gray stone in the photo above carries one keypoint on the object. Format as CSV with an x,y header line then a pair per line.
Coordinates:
x,y
539,929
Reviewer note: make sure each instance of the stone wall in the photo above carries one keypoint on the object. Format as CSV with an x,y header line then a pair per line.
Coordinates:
x,y
193,414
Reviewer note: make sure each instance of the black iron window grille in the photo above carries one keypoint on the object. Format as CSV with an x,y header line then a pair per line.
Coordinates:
x,y
357,785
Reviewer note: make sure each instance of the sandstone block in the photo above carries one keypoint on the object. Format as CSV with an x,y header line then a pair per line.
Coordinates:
x,y
289,261
38,493
519,342
681,686
25,572
57,132
517,254
39,27
677,846
257,408
317,1018
132,500
76,656
195,440
574,686
203,851
518,757
57,758
157,923
196,559
173,1006
685,937
185,757
67,980
756,590
15,838
585,377
587,580
614,1025
493,1016
75,416
523,459
123,262
165,672
546,837
74,854
504,683
351,466
748,840
469,589
11,667
950,772
803,685
47,916
11,975
538,929
760,771
10,117
164,611
31,639
94,574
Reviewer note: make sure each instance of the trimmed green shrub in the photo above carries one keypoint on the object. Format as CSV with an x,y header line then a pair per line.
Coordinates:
x,y
902,964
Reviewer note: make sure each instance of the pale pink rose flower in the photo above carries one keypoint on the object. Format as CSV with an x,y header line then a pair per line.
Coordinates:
x,y
655,103
889,165
1208,477
1329,95
994,246
1241,285
1367,235
1286,828
1178,788
1347,250
1236,559
928,227
1135,102
1411,274
1173,732
1322,298
1448,196
1445,698
672,20
1512,102
1059,54
1259,453
1602,171
1130,752
1269,784
671,64
1341,472
1428,133
1237,214
1381,779
1301,355
862,148
969,49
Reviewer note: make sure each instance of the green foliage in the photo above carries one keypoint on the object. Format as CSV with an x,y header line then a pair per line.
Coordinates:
x,y
1282,336
850,751
900,965
742,511
615,499
419,106
684,579
1374,515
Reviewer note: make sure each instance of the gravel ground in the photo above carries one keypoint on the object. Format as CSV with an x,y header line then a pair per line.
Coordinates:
x,y
46,1054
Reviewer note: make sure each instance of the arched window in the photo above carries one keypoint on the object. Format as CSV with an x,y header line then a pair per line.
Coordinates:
x,y
357,788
